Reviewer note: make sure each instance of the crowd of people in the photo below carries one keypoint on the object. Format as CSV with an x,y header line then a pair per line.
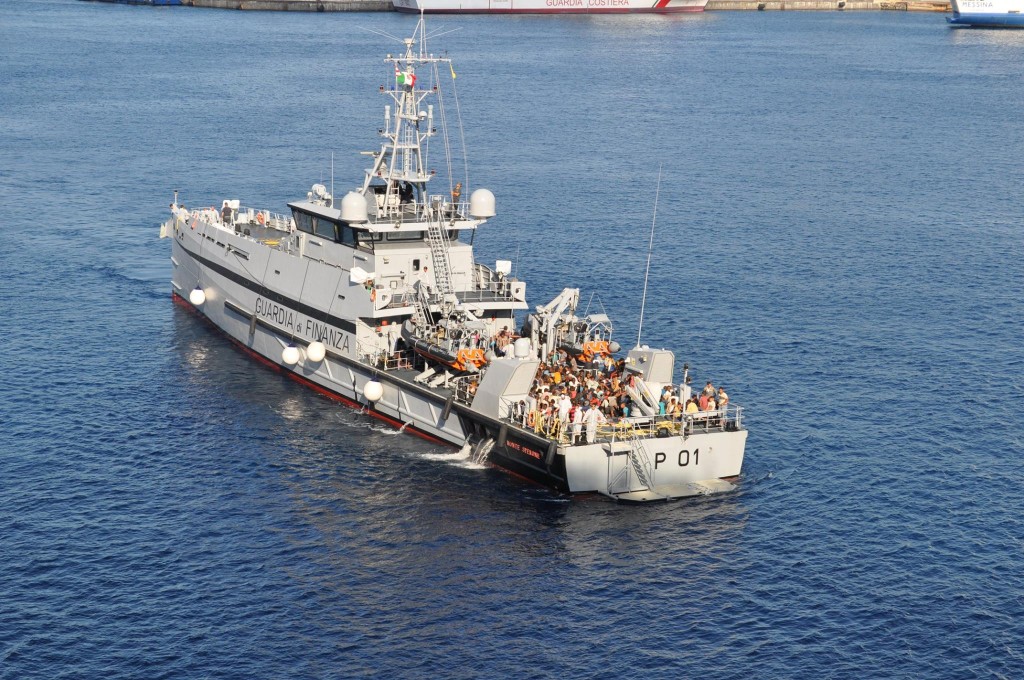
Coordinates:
x,y
570,399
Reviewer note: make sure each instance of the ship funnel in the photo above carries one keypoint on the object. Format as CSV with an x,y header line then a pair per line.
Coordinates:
x,y
353,208
481,204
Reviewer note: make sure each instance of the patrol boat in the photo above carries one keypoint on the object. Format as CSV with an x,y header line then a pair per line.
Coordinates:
x,y
377,301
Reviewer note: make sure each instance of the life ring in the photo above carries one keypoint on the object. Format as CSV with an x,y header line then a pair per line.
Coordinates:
x,y
531,418
261,219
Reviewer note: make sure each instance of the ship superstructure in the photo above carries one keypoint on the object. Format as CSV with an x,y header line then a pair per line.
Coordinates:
x,y
377,300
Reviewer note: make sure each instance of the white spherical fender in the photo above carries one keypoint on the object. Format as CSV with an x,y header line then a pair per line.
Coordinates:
x,y
614,347
290,355
197,297
373,391
316,352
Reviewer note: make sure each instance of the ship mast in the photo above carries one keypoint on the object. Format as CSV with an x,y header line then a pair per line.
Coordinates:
x,y
401,160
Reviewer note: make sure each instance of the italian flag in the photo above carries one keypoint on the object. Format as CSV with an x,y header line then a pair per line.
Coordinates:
x,y
405,78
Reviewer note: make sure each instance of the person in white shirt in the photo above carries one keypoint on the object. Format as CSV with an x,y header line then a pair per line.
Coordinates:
x,y
564,406
577,424
594,418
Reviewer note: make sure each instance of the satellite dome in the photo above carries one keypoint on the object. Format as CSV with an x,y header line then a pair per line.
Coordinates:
x,y
481,204
353,208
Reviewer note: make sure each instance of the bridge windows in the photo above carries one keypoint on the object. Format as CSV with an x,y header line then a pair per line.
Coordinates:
x,y
303,222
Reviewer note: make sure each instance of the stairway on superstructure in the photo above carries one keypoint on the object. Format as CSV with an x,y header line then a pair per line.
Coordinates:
x,y
421,306
437,237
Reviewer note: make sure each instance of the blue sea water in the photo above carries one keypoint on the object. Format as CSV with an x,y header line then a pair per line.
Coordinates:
x,y
838,240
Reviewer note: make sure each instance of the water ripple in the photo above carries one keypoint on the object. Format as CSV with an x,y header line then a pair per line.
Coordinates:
x,y
838,238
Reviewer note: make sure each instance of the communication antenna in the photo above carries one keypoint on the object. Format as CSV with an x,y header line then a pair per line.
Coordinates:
x,y
650,247
332,179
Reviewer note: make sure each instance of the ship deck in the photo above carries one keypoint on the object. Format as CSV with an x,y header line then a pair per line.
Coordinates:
x,y
617,435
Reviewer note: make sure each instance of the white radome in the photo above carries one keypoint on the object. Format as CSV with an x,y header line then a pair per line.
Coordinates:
x,y
481,204
373,391
353,208
316,352
290,355
197,297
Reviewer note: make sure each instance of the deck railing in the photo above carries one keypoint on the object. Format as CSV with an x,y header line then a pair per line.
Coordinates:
x,y
484,291
245,217
728,418
464,387
397,360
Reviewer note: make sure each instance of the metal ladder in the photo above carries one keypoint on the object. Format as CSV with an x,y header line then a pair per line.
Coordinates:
x,y
421,304
438,239
640,465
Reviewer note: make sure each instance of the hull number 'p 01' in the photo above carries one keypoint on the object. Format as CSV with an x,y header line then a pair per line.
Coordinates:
x,y
685,457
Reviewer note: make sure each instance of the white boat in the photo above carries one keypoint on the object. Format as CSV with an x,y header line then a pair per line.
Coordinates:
x,y
549,6
988,13
377,301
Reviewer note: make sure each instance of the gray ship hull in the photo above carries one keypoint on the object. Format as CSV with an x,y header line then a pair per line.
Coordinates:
x,y
263,319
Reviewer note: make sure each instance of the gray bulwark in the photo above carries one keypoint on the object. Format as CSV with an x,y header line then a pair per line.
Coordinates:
x,y
505,382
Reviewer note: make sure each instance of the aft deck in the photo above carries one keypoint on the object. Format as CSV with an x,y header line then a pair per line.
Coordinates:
x,y
461,388
626,429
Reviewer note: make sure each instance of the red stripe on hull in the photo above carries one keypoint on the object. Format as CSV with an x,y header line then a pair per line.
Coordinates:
x,y
409,427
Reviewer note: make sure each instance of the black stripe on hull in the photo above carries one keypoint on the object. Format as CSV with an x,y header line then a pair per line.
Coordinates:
x,y
554,479
259,289
523,453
